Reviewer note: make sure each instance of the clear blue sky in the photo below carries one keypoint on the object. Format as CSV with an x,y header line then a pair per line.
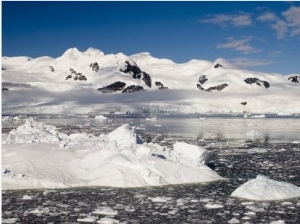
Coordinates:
x,y
261,36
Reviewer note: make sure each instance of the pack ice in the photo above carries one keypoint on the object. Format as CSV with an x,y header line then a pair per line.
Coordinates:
x,y
36,155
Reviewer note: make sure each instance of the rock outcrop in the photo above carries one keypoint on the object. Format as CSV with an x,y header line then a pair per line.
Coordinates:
x,y
257,82
213,88
94,66
218,66
135,71
294,79
132,88
202,79
117,86
76,76
160,85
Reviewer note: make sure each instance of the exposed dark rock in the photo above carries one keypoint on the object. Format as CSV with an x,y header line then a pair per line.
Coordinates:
x,y
4,89
213,88
134,70
162,88
257,82
3,69
51,68
202,79
160,85
136,73
217,88
75,75
294,79
218,65
200,87
244,103
147,79
266,84
251,80
94,66
132,88
117,86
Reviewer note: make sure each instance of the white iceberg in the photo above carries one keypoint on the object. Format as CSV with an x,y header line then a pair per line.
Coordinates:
x,y
265,189
38,156
100,117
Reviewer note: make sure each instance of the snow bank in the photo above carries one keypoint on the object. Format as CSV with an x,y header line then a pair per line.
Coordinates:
x,y
37,156
262,188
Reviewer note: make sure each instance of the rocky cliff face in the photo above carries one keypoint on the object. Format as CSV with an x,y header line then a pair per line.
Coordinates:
x,y
135,71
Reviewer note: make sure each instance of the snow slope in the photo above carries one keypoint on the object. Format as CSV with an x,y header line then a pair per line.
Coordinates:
x,y
70,83
36,155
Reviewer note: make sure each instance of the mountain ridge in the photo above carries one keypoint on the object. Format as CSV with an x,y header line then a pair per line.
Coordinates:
x,y
94,71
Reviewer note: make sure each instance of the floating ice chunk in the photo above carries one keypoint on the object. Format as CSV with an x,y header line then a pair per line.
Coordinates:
x,y
258,116
16,118
27,197
278,222
107,220
234,221
39,211
262,188
254,208
250,213
181,201
161,199
213,206
90,219
10,220
105,211
140,196
284,114
100,117
151,119
192,153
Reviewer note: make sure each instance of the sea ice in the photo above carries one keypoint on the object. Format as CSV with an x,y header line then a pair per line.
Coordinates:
x,y
107,220
262,188
9,221
213,206
105,211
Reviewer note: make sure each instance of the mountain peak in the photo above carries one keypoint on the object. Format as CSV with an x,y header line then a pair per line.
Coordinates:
x,y
221,62
72,53
93,52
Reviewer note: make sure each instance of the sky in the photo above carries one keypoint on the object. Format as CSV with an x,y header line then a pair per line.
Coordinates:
x,y
252,35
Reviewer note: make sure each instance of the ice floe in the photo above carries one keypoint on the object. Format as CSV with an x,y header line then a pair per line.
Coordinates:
x,y
263,188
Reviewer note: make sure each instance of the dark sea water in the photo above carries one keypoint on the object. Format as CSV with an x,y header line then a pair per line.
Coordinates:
x,y
242,148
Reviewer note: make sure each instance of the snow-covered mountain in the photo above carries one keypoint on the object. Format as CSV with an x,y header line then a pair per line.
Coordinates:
x,y
92,81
